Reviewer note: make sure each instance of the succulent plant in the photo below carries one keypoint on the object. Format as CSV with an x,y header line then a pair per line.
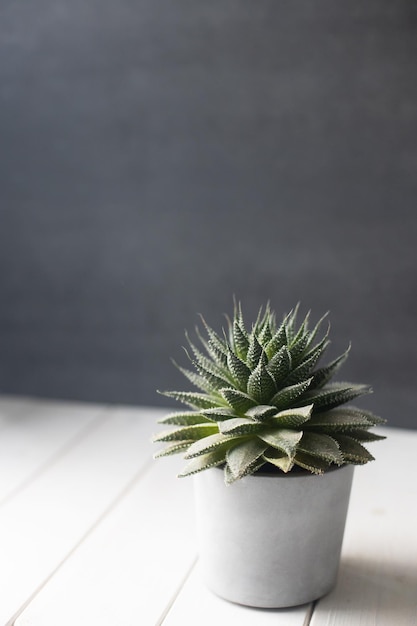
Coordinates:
x,y
264,403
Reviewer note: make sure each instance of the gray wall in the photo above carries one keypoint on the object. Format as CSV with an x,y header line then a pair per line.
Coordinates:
x,y
157,157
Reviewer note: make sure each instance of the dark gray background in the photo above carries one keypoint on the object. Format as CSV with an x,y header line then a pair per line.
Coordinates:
x,y
159,156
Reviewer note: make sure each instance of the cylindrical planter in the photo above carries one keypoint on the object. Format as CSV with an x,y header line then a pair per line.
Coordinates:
x,y
271,540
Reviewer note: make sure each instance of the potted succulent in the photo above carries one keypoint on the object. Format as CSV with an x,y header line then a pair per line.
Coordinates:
x,y
272,447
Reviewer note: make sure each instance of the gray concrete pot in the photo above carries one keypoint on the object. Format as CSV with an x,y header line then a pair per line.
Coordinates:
x,y
271,540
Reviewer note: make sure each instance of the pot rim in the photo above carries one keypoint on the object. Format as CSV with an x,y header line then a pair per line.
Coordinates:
x,y
291,474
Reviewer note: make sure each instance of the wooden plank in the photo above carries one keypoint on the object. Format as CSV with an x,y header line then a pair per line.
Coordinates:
x,y
196,605
128,570
35,434
145,547
378,577
45,521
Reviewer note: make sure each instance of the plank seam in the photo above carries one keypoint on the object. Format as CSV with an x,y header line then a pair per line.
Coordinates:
x,y
100,418
113,504
177,592
309,614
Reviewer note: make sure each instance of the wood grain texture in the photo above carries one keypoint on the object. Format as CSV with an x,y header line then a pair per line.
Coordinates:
x,y
96,533
35,434
130,568
46,521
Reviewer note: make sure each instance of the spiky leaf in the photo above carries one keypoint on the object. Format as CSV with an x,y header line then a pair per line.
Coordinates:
x,y
210,443
314,332
203,462
265,335
282,439
298,350
261,385
187,418
313,464
304,369
208,367
175,448
219,413
254,352
261,412
363,436
238,400
319,348
214,381
216,345
191,399
187,432
292,418
323,375
205,383
341,419
279,340
240,426
287,396
240,339
241,458
321,446
335,394
279,365
353,452
239,370
290,326
279,459
264,402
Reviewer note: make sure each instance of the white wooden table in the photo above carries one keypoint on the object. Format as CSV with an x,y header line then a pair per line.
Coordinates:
x,y
94,532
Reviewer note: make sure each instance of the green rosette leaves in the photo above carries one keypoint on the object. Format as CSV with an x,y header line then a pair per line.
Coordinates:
x,y
263,401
